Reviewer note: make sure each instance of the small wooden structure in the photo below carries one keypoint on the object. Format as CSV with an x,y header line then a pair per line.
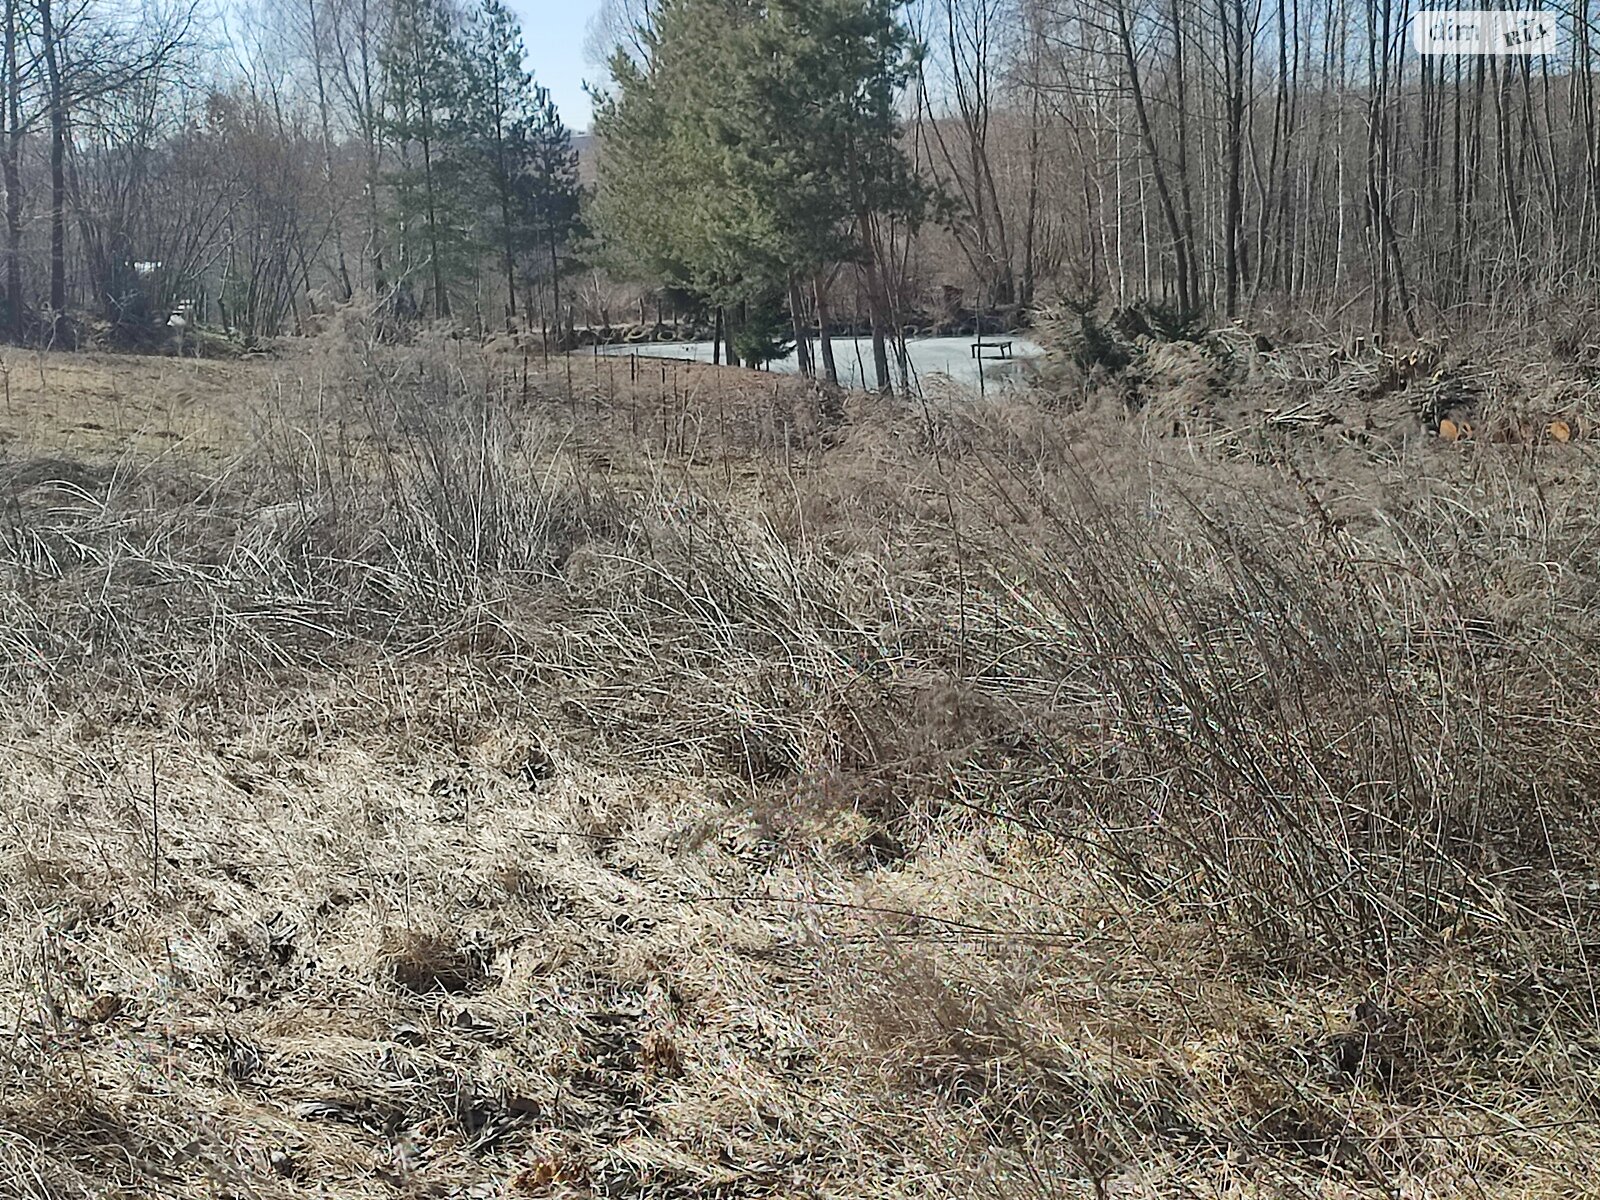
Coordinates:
x,y
1002,349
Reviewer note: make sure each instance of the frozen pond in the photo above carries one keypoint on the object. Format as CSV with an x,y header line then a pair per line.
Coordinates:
x,y
950,357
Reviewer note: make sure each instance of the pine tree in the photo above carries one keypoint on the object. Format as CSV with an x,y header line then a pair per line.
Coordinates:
x,y
425,72
845,64
546,195
756,143
666,200
528,168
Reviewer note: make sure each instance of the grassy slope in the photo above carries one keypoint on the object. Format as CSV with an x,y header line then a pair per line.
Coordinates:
x,y
422,783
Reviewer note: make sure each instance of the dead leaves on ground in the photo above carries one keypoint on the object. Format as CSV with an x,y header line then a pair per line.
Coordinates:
x,y
1514,431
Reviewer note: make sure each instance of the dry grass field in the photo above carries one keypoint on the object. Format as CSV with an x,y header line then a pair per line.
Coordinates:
x,y
427,775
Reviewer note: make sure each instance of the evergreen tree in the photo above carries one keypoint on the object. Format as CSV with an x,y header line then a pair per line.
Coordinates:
x,y
756,142
426,73
546,193
666,201
529,170
839,66
761,339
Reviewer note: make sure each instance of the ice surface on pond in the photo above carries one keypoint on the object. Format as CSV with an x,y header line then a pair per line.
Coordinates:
x,y
930,357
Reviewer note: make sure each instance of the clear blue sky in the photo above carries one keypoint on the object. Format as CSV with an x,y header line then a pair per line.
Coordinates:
x,y
553,31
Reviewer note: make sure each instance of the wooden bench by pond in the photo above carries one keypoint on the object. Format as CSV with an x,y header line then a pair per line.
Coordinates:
x,y
1001,349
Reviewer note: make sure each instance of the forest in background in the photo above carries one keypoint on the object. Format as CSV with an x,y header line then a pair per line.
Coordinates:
x,y
1279,160
254,171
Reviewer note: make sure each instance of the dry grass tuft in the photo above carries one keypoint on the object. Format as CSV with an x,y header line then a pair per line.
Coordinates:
x,y
423,961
